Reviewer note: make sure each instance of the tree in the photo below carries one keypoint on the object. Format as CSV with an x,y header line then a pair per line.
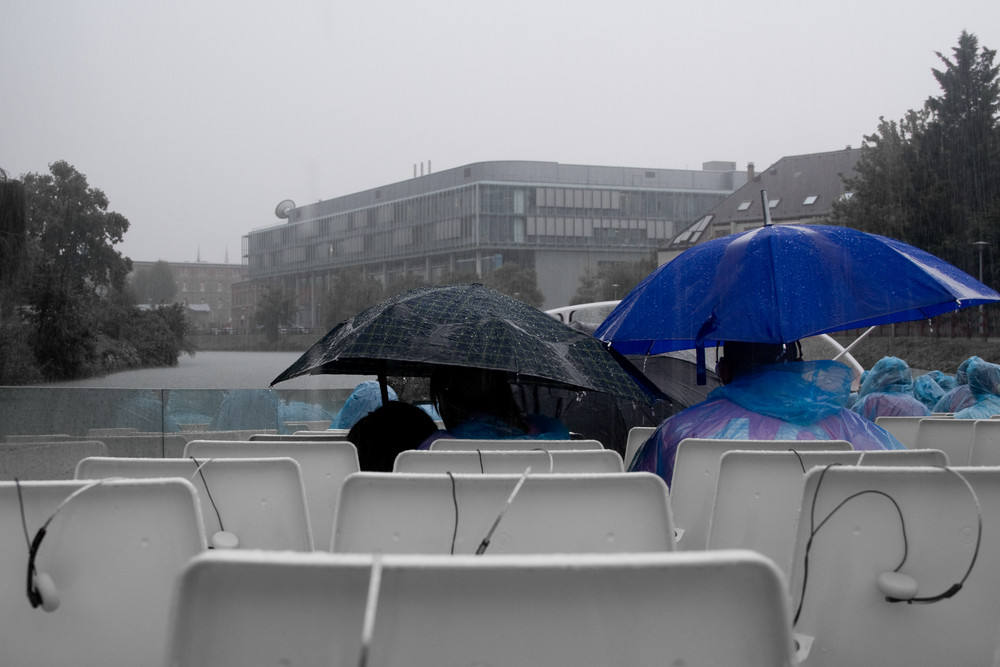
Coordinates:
x,y
275,308
13,237
933,178
351,293
155,284
73,264
612,280
513,280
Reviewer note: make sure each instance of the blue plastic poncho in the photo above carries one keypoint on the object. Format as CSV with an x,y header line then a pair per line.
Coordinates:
x,y
927,390
888,392
960,397
365,398
984,383
793,401
491,427
943,380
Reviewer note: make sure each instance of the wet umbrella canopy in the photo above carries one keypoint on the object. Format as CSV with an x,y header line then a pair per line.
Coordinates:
x,y
783,283
471,326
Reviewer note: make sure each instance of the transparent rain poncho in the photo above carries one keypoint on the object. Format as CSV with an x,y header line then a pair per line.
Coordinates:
x,y
928,390
888,392
984,383
959,397
365,398
792,401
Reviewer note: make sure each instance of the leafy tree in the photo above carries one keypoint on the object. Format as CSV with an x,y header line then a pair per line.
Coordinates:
x,y
275,308
933,178
351,293
513,280
13,237
155,284
403,284
73,264
612,280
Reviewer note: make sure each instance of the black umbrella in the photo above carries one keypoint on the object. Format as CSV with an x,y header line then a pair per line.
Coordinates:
x,y
470,326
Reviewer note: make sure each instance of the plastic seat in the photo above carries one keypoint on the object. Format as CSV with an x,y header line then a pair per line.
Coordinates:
x,y
637,437
397,513
512,462
324,466
758,494
113,551
52,460
844,614
951,436
329,434
460,445
725,608
260,501
696,471
904,428
985,448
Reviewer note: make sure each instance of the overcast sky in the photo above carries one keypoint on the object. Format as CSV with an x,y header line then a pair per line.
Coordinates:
x,y
196,117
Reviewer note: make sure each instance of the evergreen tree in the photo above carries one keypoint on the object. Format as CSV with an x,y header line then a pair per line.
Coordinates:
x,y
933,178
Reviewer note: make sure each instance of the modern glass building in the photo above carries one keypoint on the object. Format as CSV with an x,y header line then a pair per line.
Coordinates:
x,y
561,220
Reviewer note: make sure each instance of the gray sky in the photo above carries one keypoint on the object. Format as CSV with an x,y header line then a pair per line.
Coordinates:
x,y
196,117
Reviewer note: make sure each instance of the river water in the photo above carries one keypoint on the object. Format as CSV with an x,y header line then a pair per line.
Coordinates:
x,y
218,370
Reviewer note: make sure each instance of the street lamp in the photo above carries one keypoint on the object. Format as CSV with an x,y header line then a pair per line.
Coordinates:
x,y
982,316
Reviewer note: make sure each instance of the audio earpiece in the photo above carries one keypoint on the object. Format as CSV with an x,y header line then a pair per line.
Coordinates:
x,y
44,594
896,586
223,539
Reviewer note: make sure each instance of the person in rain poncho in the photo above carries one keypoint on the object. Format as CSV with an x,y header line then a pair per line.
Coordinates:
x,y
888,392
366,397
927,388
984,383
478,404
768,393
961,396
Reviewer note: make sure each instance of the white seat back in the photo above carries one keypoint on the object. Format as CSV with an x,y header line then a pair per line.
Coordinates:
x,y
951,436
985,450
904,428
260,501
324,466
397,513
510,462
758,494
113,551
462,445
845,615
637,436
251,608
725,608
696,470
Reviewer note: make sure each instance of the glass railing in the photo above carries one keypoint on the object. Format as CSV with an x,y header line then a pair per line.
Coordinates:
x,y
158,422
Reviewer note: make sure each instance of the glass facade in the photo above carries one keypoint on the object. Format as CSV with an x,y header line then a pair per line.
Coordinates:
x,y
476,217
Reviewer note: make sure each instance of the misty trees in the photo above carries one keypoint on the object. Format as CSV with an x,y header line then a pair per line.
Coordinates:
x,y
932,179
518,282
275,309
65,314
612,280
155,284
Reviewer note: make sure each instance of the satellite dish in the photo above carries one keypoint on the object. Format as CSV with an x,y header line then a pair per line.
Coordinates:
x,y
284,208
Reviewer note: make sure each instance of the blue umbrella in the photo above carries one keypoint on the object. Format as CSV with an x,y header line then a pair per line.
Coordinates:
x,y
782,283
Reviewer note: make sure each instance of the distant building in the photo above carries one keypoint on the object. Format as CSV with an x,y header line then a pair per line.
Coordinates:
x,y
204,288
560,220
800,189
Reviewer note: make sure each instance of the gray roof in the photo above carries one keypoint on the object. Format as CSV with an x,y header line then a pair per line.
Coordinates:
x,y
800,188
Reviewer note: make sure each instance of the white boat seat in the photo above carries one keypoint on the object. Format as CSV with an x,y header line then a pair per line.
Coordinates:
x,y
403,513
113,553
324,466
259,501
509,462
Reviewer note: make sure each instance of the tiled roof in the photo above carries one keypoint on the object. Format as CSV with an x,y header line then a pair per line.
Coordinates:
x,y
799,188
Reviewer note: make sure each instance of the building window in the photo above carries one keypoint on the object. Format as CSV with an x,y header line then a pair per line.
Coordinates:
x,y
810,200
773,203
744,205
